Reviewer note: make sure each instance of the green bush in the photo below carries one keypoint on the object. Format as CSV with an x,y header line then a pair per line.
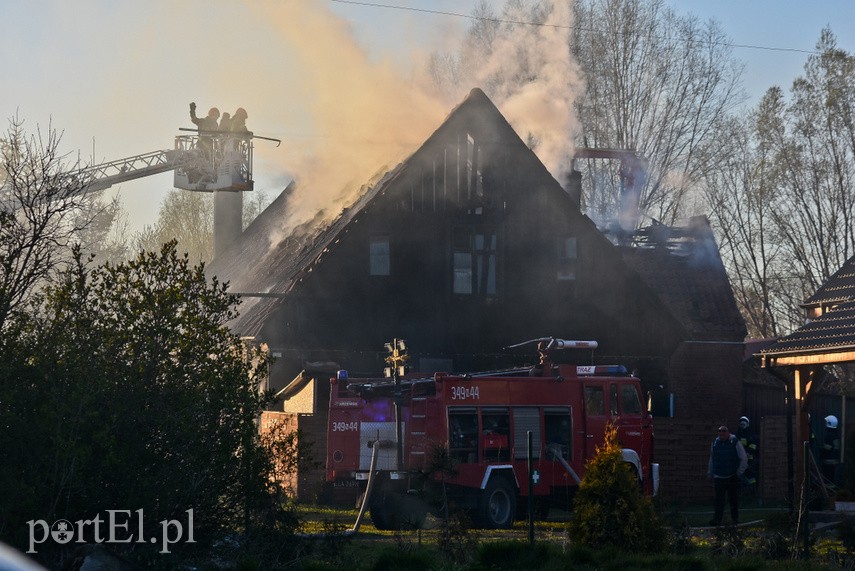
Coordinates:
x,y
610,509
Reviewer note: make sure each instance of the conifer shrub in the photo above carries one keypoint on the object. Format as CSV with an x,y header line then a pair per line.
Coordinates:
x,y
610,510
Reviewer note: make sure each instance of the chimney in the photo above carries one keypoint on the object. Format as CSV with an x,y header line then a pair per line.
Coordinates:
x,y
573,186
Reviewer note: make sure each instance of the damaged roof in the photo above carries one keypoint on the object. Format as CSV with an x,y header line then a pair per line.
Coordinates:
x,y
262,272
263,268
682,265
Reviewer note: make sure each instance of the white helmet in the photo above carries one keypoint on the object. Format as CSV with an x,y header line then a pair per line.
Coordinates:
x,y
743,422
831,421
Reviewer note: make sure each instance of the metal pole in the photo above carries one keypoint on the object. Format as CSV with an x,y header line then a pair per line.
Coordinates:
x,y
805,514
398,398
842,428
530,491
791,489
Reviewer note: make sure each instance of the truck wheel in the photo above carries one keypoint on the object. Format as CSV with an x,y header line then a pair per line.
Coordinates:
x,y
378,504
498,504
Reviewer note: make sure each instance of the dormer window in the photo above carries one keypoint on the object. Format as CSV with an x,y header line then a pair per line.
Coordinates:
x,y
566,260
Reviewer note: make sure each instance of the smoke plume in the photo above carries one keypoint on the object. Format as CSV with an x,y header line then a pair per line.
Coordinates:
x,y
368,116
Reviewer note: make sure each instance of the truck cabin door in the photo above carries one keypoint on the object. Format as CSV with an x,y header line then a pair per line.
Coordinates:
x,y
626,413
595,417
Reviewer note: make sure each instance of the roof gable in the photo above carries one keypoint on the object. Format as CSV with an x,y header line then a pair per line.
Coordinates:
x,y
263,267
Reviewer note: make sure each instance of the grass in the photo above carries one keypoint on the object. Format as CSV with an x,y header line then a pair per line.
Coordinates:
x,y
761,546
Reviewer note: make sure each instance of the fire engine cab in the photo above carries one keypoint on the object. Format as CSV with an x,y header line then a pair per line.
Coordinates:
x,y
409,443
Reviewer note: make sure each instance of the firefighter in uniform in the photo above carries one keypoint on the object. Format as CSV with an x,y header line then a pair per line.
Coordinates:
x,y
830,453
728,463
746,437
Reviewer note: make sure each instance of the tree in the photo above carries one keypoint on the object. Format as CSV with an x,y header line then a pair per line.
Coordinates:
x,y
41,207
785,206
188,218
127,391
657,83
652,81
743,198
609,509
106,234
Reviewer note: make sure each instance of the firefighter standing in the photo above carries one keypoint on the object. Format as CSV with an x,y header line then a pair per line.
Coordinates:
x,y
746,437
728,462
830,453
208,123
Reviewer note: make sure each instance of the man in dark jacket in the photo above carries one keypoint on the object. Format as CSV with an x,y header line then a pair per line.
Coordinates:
x,y
207,124
728,462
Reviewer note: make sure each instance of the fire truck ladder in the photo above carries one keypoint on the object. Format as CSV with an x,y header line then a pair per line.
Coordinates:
x,y
418,428
105,175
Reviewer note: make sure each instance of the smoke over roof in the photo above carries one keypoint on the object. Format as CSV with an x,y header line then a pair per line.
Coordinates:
x,y
369,116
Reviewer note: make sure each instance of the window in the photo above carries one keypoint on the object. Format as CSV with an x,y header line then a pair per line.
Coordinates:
x,y
556,424
594,403
474,259
630,401
495,432
463,434
470,164
378,256
567,258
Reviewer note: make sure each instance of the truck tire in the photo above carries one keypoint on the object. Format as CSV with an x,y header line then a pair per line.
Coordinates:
x,y
378,505
394,510
497,504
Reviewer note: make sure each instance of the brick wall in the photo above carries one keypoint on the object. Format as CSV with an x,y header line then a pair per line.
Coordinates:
x,y
682,449
706,380
773,458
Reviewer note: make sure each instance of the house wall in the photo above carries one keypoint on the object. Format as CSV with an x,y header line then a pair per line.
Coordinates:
x,y
706,380
338,312
339,307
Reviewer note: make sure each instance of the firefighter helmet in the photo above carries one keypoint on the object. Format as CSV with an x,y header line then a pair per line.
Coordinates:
x,y
831,421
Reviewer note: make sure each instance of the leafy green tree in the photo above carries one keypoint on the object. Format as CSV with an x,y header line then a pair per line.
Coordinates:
x,y
188,218
610,509
124,389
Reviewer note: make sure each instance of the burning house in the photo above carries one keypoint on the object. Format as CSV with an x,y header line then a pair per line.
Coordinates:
x,y
468,246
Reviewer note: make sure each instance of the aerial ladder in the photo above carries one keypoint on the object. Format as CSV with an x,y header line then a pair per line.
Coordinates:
x,y
207,161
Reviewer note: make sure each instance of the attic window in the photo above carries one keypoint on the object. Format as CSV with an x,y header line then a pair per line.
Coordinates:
x,y
379,260
474,258
566,260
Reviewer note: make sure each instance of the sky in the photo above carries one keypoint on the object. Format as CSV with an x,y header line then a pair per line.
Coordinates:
x,y
338,82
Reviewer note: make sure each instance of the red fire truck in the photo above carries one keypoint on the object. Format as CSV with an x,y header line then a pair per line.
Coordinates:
x,y
463,438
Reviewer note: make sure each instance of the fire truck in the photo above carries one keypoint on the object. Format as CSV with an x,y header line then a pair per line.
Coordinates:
x,y
408,442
